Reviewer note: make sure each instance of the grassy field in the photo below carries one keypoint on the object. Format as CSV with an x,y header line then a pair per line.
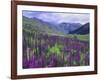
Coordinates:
x,y
78,36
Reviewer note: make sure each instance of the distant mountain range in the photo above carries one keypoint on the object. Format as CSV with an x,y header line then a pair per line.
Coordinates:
x,y
84,29
52,28
68,27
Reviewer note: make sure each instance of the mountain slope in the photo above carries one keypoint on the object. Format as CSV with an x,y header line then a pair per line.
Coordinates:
x,y
35,24
67,27
82,30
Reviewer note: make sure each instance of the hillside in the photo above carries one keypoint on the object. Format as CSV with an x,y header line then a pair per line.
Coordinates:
x,y
35,24
82,30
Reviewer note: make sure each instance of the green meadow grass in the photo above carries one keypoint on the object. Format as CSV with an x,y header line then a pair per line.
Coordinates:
x,y
78,36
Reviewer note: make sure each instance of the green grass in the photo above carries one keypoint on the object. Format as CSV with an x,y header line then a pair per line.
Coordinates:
x,y
78,36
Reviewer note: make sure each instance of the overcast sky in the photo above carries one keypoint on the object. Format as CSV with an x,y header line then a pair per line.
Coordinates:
x,y
59,17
